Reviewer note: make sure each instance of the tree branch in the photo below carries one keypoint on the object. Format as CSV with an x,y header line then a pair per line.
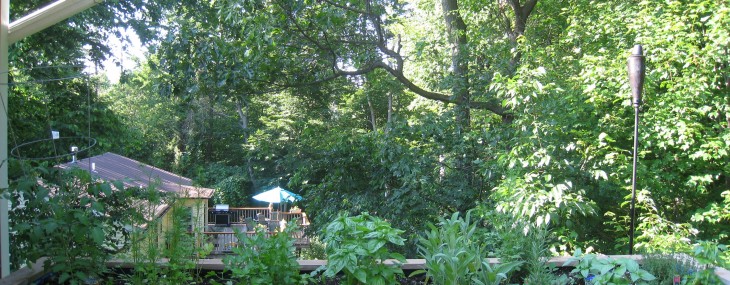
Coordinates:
x,y
522,13
527,9
393,62
346,8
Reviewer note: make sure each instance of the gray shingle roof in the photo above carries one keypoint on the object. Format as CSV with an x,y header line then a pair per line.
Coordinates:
x,y
112,167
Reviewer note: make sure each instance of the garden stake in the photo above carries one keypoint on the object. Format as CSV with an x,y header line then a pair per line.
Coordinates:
x,y
637,69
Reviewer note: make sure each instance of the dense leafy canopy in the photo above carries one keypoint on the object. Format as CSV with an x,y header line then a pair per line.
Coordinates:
x,y
413,110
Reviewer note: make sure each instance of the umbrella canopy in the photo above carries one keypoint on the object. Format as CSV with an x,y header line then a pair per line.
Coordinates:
x,y
277,195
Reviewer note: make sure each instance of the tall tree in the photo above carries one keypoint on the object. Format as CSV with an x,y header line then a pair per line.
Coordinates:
x,y
339,39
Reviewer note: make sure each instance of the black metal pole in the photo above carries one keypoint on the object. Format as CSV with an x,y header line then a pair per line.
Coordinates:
x,y
633,178
637,70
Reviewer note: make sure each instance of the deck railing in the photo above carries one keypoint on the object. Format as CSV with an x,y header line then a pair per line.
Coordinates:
x,y
224,242
244,220
239,215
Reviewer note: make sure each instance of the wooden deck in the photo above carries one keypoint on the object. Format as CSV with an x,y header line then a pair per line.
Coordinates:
x,y
243,220
238,216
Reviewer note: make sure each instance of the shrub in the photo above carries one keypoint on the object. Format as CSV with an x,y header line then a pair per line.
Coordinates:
x,y
536,253
74,220
708,255
606,270
357,246
454,256
181,248
666,266
259,259
315,251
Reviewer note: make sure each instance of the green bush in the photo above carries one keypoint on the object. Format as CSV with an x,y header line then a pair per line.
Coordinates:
x,y
666,266
74,220
181,248
708,256
536,254
357,246
455,256
606,270
259,259
315,251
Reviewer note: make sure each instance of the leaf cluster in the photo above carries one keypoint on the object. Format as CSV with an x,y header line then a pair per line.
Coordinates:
x,y
454,254
71,218
358,247
605,270
265,258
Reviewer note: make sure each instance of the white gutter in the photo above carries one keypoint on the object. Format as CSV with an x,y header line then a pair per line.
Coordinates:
x,y
46,17
9,34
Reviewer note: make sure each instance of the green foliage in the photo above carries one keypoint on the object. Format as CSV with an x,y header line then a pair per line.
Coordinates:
x,y
315,251
149,120
62,99
536,243
181,248
605,270
666,266
573,122
493,275
358,247
659,234
264,259
709,255
49,82
144,253
715,213
451,253
84,36
74,220
376,172
177,246
454,254
232,191
301,93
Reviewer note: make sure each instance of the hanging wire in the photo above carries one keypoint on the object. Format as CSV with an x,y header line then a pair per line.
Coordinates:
x,y
15,139
78,75
50,126
11,132
90,142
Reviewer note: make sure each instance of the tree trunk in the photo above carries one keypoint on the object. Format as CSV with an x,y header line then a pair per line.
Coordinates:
x,y
242,110
373,123
522,13
456,29
390,112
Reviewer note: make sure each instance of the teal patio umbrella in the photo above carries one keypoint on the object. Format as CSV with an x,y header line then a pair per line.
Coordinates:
x,y
277,195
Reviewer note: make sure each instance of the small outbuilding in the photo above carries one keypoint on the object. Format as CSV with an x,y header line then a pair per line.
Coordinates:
x,y
113,167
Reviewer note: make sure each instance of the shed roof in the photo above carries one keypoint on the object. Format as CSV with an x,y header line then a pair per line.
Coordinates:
x,y
113,167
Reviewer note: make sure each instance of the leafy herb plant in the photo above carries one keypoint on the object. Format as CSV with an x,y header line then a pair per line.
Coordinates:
x,y
357,246
259,259
455,256
605,270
